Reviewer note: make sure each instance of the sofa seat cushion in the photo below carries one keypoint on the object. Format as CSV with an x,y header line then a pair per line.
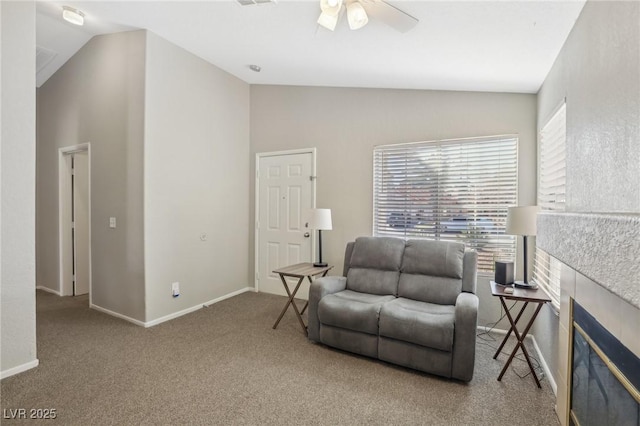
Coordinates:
x,y
352,310
421,323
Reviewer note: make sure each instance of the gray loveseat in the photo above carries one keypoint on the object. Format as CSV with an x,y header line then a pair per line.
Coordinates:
x,y
411,303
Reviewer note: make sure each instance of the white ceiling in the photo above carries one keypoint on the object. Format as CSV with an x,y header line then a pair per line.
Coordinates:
x,y
501,46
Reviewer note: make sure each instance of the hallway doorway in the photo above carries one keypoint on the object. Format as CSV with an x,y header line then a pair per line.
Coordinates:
x,y
75,220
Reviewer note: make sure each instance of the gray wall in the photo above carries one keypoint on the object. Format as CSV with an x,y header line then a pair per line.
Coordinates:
x,y
17,115
345,125
196,180
169,137
98,97
598,72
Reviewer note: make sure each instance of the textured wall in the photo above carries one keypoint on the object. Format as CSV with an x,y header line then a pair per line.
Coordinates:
x,y
17,291
604,247
598,71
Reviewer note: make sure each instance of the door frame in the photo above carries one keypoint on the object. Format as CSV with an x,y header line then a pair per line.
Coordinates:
x,y
259,156
62,191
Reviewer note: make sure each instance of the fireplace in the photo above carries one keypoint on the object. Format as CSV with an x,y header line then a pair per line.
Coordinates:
x,y
605,376
599,304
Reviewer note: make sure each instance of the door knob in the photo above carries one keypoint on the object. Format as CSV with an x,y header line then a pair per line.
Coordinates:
x,y
306,235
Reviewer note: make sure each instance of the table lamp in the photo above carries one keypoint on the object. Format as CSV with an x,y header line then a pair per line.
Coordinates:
x,y
320,219
522,221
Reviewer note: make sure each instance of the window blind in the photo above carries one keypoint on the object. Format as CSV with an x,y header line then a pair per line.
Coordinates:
x,y
454,190
551,195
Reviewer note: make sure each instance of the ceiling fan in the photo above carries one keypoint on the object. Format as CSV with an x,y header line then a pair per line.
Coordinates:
x,y
359,11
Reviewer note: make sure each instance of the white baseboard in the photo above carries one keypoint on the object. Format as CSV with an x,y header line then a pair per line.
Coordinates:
x,y
195,308
19,369
545,367
117,315
227,296
174,315
543,362
48,290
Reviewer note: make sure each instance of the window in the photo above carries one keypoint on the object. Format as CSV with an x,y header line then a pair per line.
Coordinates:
x,y
454,190
551,195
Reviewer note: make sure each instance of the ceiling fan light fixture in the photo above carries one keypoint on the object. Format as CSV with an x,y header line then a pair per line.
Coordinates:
x,y
328,21
330,13
331,7
72,15
356,15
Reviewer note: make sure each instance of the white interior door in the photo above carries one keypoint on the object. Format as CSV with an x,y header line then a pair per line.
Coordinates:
x,y
81,222
66,226
285,195
75,219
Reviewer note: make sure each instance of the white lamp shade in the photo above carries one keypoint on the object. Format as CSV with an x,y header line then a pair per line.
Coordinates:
x,y
522,220
356,15
320,219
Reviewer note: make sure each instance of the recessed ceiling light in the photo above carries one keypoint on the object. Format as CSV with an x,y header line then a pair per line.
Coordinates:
x,y
72,15
255,68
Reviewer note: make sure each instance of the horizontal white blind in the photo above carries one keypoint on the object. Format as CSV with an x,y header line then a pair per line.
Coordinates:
x,y
551,195
546,273
552,170
455,190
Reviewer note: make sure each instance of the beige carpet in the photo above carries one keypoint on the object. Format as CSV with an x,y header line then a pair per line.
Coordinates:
x,y
226,365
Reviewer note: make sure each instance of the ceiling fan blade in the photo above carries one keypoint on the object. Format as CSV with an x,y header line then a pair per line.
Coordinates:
x,y
390,15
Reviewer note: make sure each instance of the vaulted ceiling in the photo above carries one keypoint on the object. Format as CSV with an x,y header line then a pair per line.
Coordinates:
x,y
501,46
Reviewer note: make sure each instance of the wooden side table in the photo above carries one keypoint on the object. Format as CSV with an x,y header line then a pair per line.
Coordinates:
x,y
527,296
299,271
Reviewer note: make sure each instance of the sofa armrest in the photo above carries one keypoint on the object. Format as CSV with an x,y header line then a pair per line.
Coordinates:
x,y
321,287
464,342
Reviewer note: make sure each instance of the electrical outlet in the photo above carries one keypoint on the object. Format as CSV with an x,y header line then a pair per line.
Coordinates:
x,y
175,289
112,222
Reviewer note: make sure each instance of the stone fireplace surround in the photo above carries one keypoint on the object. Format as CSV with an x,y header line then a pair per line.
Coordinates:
x,y
601,271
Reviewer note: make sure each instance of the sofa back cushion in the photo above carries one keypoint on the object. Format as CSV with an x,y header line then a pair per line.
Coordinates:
x,y
347,258
431,271
375,264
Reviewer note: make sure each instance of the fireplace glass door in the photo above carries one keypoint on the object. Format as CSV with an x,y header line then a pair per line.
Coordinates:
x,y
600,393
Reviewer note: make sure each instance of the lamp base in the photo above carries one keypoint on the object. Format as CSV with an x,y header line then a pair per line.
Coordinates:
x,y
320,264
522,284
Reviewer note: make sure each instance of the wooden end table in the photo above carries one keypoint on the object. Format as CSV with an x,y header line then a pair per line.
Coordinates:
x,y
527,296
299,271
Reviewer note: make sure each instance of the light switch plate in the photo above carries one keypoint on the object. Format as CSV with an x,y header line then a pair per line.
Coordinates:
x,y
112,222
